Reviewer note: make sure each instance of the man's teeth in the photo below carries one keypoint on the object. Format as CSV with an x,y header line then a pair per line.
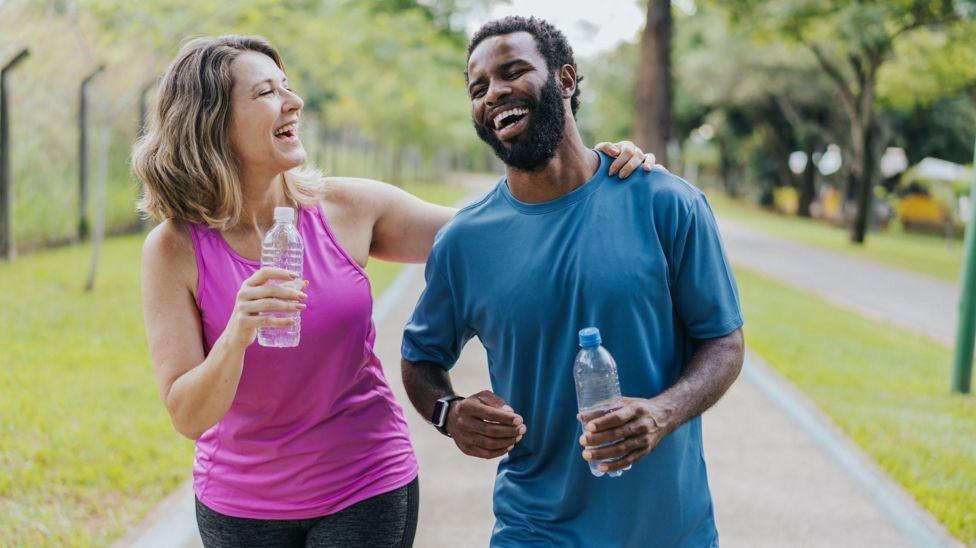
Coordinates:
x,y
510,112
285,129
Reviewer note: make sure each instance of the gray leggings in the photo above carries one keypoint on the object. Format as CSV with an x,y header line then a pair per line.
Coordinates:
x,y
387,520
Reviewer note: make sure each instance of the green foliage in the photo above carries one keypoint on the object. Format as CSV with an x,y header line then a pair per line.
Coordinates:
x,y
886,388
607,94
944,129
747,68
383,80
929,65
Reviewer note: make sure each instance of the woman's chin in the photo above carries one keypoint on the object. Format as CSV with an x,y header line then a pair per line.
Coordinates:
x,y
293,159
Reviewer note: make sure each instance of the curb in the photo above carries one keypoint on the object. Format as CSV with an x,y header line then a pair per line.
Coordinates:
x,y
907,515
172,523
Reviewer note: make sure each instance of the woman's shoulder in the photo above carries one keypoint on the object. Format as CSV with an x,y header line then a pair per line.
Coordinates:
x,y
169,247
351,188
355,196
169,238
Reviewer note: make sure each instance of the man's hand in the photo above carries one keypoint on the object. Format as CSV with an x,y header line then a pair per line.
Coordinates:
x,y
637,428
484,426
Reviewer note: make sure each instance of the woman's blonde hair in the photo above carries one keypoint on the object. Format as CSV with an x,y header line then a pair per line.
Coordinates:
x,y
184,160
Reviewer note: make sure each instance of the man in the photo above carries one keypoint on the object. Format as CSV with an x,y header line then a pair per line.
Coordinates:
x,y
553,249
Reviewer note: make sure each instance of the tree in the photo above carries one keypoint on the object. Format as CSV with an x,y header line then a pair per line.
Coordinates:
x,y
652,125
850,42
760,101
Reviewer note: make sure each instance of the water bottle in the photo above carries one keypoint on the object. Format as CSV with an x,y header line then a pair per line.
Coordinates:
x,y
597,387
283,248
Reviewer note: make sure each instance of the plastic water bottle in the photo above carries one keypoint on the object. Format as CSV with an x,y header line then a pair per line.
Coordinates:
x,y
283,248
597,386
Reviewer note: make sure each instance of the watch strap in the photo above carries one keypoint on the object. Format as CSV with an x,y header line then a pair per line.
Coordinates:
x,y
441,409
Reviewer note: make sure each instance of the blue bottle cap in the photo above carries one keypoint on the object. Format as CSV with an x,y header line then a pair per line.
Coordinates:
x,y
589,336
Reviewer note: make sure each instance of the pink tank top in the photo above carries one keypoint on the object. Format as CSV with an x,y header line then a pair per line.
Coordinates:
x,y
315,428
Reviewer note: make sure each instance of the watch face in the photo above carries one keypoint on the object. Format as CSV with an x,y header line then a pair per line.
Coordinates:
x,y
440,412
441,408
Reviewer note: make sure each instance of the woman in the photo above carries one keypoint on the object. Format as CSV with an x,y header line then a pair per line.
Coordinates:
x,y
301,446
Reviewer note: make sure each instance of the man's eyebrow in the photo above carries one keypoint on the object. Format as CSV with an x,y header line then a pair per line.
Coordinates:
x,y
509,64
505,66
472,83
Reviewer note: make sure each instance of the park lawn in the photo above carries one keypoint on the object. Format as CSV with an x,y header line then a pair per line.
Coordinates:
x,y
86,447
925,254
887,388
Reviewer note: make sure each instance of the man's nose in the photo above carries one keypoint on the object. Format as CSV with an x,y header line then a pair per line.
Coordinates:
x,y
496,92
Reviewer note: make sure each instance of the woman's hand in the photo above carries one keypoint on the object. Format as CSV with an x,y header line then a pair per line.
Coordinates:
x,y
628,156
257,296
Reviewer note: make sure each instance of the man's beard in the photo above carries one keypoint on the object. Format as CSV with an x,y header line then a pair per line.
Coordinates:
x,y
537,145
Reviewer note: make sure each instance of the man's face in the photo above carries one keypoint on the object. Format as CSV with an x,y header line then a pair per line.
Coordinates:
x,y
516,104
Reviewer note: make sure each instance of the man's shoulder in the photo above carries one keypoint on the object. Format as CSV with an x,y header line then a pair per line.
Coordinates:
x,y
666,189
669,200
469,220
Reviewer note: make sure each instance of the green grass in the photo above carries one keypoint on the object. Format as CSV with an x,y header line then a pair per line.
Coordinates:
x,y
86,444
888,389
86,447
920,253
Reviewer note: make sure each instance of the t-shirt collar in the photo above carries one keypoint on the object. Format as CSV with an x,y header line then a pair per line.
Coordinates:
x,y
577,194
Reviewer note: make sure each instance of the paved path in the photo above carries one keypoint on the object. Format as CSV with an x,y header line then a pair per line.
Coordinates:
x,y
916,302
780,473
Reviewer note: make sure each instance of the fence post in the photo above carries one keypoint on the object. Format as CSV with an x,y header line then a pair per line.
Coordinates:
x,y
144,104
6,209
84,223
962,372
143,115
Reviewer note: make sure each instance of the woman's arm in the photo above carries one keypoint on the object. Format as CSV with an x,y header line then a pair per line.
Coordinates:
x,y
198,390
405,225
405,229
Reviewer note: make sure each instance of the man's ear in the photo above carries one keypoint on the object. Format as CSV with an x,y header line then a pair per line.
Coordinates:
x,y
567,81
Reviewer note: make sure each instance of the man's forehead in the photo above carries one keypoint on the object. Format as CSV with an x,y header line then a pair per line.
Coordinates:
x,y
498,49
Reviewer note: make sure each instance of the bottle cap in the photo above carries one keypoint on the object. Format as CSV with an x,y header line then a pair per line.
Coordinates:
x,y
589,337
285,214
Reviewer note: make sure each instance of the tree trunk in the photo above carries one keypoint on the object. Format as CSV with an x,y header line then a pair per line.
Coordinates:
x,y
808,189
781,157
652,98
726,166
864,164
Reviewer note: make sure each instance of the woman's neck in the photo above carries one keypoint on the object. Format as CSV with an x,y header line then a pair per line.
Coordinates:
x,y
262,194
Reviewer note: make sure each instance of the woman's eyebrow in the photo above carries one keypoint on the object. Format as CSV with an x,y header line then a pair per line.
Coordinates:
x,y
269,81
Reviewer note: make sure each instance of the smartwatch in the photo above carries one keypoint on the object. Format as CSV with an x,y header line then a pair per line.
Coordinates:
x,y
441,407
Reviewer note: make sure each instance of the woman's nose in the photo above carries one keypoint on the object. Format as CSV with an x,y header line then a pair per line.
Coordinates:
x,y
294,102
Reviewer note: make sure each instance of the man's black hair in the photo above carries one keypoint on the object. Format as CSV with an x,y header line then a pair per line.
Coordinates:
x,y
551,42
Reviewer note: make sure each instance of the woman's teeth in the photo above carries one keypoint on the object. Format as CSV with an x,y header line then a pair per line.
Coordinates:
x,y
290,128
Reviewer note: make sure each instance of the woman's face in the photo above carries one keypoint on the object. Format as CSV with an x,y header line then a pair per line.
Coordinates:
x,y
264,116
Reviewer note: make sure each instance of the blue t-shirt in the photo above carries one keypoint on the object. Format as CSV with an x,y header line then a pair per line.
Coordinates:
x,y
642,261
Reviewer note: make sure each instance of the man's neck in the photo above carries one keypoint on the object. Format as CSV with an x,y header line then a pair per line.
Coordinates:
x,y
572,165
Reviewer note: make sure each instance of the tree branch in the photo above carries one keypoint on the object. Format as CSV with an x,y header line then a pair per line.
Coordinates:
x,y
797,121
846,96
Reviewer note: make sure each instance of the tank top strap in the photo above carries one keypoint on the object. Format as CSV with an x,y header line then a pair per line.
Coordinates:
x,y
321,231
204,245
